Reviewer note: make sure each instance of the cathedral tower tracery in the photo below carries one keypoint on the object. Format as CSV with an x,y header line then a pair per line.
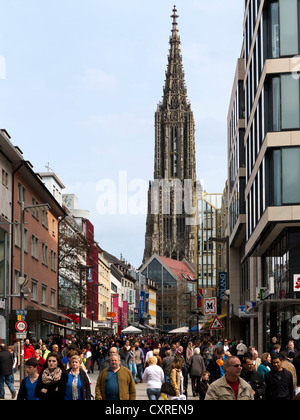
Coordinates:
x,y
169,230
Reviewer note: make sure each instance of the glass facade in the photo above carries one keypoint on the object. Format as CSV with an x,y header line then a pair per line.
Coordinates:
x,y
283,173
208,252
166,298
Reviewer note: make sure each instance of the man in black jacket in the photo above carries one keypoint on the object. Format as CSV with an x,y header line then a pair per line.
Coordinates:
x,y
254,379
279,382
6,368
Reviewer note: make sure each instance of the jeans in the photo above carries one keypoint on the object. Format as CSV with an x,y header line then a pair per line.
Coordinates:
x,y
7,380
139,371
132,368
153,393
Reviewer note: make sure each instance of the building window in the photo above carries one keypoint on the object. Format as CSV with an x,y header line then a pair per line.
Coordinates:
x,y
53,261
34,290
282,23
283,174
53,298
21,193
282,104
34,247
4,178
45,254
44,294
35,212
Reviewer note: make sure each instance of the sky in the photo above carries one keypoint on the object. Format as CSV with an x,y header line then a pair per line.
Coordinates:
x,y
79,86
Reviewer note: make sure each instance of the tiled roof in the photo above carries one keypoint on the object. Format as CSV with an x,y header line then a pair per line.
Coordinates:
x,y
179,268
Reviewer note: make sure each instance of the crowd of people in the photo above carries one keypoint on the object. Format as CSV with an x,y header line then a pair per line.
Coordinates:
x,y
217,369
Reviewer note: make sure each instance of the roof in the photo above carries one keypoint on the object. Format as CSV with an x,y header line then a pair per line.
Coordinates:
x,y
179,268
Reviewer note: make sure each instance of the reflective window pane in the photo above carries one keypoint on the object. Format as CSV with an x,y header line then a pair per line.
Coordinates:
x,y
290,102
288,27
290,175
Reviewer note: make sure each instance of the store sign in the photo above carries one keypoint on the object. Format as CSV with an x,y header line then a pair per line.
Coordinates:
x,y
210,306
297,283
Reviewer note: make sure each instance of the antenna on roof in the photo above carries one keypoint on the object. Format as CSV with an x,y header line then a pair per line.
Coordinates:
x,y
48,167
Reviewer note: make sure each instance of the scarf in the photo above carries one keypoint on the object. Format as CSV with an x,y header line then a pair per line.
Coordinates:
x,y
74,385
50,377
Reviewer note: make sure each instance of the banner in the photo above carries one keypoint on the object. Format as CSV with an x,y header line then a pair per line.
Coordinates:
x,y
125,314
115,307
146,303
142,298
222,285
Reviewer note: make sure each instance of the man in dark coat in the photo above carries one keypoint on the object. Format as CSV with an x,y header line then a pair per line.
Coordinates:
x,y
6,368
279,382
166,364
254,379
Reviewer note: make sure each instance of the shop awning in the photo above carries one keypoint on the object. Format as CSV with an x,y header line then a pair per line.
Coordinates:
x,y
58,325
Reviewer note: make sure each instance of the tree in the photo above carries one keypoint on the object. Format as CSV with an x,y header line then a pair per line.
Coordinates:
x,y
74,249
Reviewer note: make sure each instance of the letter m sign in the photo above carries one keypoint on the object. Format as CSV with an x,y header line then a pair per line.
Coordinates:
x,y
210,306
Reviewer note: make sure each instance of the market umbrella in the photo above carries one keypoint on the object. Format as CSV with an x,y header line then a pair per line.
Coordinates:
x,y
181,330
131,329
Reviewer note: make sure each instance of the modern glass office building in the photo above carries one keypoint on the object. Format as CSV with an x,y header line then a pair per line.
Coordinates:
x,y
268,251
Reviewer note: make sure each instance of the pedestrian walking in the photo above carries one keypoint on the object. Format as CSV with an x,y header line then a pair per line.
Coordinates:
x,y
241,348
28,350
28,384
230,386
78,386
52,380
45,351
40,359
6,370
189,351
115,382
167,364
296,363
195,367
202,386
154,376
139,361
215,365
131,362
176,379
279,382
254,378
106,361
265,365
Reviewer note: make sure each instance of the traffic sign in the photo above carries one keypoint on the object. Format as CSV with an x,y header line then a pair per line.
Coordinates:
x,y
216,324
21,326
21,336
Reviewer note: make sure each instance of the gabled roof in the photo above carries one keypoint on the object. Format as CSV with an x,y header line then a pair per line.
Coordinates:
x,y
179,268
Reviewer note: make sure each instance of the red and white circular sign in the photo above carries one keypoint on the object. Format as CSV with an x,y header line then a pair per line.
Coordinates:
x,y
21,326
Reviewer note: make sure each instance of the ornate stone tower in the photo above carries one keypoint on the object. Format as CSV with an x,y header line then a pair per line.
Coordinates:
x,y
170,222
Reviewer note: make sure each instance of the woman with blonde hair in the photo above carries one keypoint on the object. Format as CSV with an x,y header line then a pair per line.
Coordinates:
x,y
154,375
156,354
78,386
265,365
